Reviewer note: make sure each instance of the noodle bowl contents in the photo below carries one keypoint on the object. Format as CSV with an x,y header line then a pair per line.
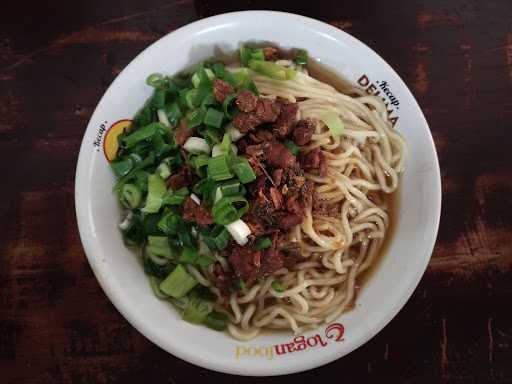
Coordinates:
x,y
256,193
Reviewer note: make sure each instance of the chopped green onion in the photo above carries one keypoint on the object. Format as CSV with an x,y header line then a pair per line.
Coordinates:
x,y
248,54
127,222
199,162
162,118
142,134
178,283
159,246
243,81
188,255
195,117
143,117
334,123
158,99
170,223
263,243
239,230
272,70
220,72
234,133
277,286
197,310
210,134
163,170
195,80
156,192
225,210
230,188
122,167
173,113
243,170
175,197
204,261
220,237
196,145
225,145
209,73
301,57
213,118
156,270
229,109
216,321
156,80
130,196
218,168
155,282
190,97
292,147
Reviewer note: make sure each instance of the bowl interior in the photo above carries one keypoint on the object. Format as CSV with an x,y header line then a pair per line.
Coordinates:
x,y
122,277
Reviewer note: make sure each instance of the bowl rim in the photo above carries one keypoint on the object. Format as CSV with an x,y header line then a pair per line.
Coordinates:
x,y
90,245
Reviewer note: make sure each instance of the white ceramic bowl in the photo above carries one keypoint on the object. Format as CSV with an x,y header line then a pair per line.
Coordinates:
x,y
122,277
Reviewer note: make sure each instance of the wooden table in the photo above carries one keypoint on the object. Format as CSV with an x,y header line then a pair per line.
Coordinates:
x,y
56,60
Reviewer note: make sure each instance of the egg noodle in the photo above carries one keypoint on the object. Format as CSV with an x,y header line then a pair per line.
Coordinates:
x,y
363,164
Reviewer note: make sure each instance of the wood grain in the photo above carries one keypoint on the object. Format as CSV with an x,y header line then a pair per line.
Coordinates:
x,y
56,324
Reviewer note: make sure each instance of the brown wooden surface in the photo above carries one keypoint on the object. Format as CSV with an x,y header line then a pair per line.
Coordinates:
x,y
56,60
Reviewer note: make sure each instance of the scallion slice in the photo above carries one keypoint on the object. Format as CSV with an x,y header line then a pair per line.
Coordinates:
x,y
196,145
334,123
213,118
229,209
216,320
272,70
263,243
156,192
218,168
292,147
277,286
178,283
301,57
243,170
130,196
239,230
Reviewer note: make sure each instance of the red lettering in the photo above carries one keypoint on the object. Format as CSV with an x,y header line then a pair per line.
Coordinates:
x,y
363,81
280,349
290,347
300,343
371,89
335,331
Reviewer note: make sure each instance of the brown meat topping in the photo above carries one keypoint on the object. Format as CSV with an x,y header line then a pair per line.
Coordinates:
x,y
221,89
185,177
315,161
246,101
242,260
293,205
277,198
303,131
286,120
183,132
289,220
261,135
278,155
270,53
193,212
267,110
246,122
222,279
277,176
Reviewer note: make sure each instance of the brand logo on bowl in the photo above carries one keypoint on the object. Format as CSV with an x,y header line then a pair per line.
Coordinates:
x,y
382,88
333,333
